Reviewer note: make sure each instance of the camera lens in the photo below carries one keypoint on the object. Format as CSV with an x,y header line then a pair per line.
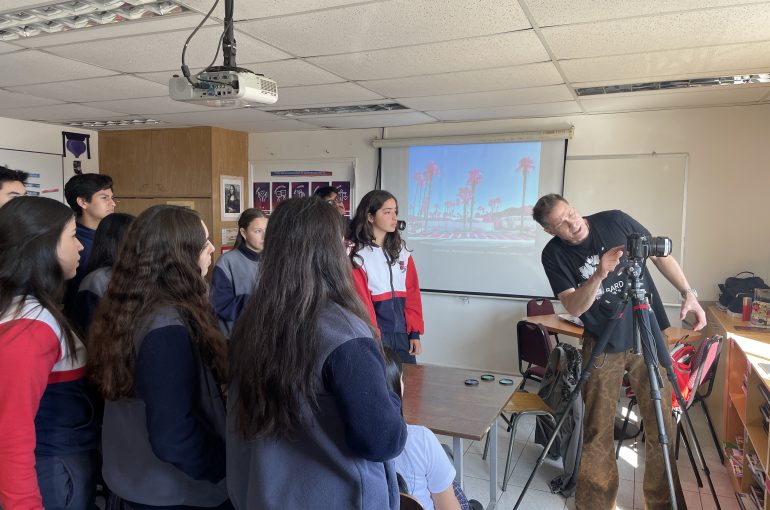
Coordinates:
x,y
660,246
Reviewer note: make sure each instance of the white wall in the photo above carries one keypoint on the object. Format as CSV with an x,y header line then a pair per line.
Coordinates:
x,y
39,137
727,225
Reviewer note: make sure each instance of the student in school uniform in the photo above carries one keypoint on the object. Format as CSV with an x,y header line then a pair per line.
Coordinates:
x,y
385,274
12,184
109,235
311,422
159,361
48,430
91,197
235,272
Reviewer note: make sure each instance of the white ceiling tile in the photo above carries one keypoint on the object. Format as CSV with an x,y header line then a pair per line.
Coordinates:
x,y
566,12
216,116
387,24
157,52
675,98
374,120
549,94
8,48
111,31
691,62
529,75
95,89
13,100
746,23
265,8
149,106
59,112
324,94
32,66
508,112
478,53
266,126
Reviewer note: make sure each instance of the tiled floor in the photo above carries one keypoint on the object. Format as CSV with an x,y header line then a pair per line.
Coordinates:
x,y
630,470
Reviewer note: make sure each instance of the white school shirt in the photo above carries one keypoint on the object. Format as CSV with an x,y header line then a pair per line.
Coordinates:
x,y
424,465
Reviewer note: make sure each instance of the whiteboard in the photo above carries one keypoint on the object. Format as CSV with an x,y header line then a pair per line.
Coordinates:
x,y
46,176
652,188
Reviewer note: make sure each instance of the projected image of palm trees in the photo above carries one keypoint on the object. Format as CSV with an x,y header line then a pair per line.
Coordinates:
x,y
478,191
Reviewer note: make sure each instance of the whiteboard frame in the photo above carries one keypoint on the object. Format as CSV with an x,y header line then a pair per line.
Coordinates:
x,y
650,155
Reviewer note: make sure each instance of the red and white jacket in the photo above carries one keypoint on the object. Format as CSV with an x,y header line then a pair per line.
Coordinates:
x,y
392,292
43,406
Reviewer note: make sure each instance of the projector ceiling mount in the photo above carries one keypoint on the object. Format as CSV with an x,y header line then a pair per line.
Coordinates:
x,y
227,85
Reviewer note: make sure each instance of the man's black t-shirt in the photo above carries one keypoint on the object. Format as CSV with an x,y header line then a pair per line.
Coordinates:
x,y
569,266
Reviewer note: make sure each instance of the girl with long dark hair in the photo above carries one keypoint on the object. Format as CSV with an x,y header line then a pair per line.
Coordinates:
x,y
48,430
159,361
385,274
311,422
107,239
235,272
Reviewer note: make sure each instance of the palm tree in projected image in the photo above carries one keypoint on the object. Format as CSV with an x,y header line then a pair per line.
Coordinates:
x,y
431,171
463,197
474,178
420,180
448,204
525,167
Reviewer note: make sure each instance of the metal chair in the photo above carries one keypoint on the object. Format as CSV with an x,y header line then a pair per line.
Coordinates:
x,y
522,403
708,382
537,307
535,347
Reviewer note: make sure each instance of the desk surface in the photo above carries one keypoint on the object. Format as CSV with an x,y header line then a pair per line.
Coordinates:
x,y
556,324
437,397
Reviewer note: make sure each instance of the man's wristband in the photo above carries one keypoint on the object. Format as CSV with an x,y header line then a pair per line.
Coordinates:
x,y
684,293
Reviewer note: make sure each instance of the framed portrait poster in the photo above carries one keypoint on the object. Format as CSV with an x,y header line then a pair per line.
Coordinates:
x,y
231,189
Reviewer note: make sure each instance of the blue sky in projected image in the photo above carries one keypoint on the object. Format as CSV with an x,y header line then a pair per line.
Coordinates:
x,y
497,162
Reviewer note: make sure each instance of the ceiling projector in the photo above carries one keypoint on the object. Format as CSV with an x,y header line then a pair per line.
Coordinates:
x,y
225,87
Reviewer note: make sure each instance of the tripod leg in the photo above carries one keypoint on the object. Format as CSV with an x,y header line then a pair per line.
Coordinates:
x,y
689,454
713,432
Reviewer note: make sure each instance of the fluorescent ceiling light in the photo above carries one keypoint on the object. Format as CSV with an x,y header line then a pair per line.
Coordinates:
x,y
73,15
337,110
744,79
114,123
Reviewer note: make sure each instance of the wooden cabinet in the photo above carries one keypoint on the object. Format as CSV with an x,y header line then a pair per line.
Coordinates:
x,y
126,156
156,166
746,397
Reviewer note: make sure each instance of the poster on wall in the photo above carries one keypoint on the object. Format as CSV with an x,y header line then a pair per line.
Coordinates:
x,y
232,197
261,198
299,189
318,184
279,193
343,193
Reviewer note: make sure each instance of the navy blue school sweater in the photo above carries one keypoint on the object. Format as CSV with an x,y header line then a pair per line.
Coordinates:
x,y
341,458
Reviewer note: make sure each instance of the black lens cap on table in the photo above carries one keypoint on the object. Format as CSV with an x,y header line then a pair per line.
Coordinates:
x,y
471,382
487,377
506,382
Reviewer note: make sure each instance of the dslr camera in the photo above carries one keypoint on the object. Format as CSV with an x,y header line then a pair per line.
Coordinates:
x,y
640,246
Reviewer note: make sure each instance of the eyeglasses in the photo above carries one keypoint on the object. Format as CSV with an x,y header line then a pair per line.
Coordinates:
x,y
333,201
571,215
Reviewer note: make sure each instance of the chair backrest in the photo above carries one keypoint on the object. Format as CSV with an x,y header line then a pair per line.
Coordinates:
x,y
539,307
409,503
703,365
534,344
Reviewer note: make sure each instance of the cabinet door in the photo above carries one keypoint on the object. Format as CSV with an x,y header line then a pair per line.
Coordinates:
x,y
181,162
126,156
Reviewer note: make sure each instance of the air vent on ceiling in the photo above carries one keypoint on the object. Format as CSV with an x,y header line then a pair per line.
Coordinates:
x,y
114,123
675,84
337,110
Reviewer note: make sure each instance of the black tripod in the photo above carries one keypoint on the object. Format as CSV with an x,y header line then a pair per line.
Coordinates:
x,y
648,342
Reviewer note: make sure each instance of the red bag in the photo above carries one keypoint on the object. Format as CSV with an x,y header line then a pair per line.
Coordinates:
x,y
681,361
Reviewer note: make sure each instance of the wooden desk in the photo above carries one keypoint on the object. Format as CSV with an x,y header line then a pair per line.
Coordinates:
x,y
437,397
555,324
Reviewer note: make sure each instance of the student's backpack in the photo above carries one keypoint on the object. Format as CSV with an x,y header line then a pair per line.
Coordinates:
x,y
737,287
561,376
